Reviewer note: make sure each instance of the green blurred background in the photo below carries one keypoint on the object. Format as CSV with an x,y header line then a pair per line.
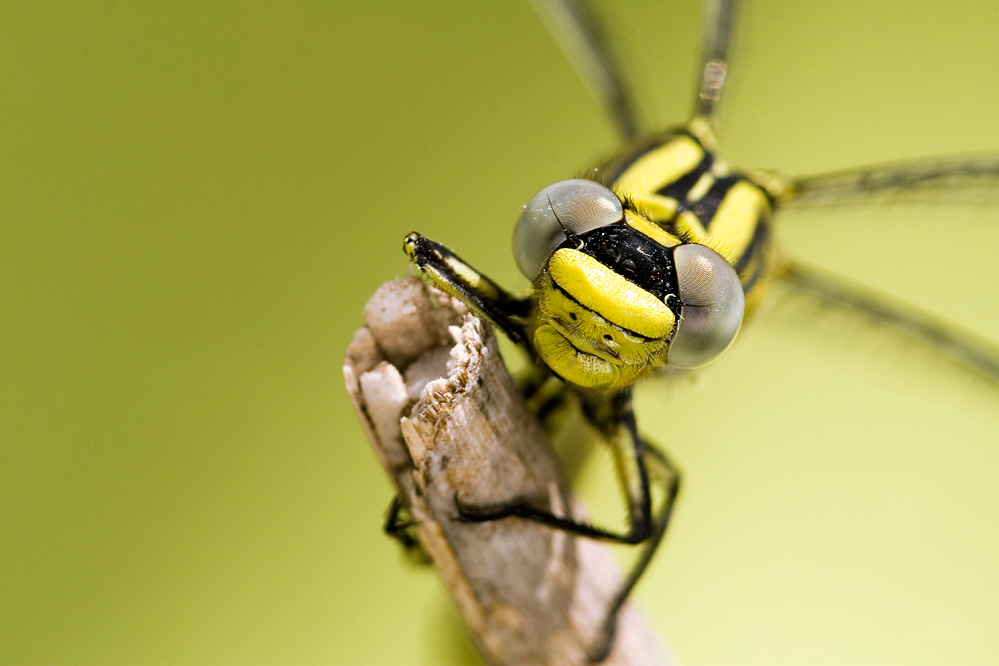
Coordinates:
x,y
196,199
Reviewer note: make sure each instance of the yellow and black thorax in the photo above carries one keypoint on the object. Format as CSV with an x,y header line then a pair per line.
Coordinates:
x,y
656,266
651,260
676,182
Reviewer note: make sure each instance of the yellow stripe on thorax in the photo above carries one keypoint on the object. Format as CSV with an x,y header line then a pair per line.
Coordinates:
x,y
600,289
653,231
661,166
654,170
733,225
735,220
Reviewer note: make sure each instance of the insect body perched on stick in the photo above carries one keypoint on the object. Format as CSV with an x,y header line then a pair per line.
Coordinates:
x,y
653,261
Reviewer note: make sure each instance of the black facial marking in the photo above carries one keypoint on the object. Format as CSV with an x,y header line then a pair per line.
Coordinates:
x,y
634,257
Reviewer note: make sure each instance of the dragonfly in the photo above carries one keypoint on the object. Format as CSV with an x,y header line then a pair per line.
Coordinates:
x,y
652,260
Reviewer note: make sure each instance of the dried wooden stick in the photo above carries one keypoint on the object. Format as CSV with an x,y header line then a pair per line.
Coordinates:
x,y
447,422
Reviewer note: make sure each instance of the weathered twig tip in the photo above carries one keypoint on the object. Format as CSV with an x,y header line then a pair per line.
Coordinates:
x,y
448,423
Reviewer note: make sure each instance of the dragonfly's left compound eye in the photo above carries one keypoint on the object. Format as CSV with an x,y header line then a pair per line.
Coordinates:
x,y
713,305
574,206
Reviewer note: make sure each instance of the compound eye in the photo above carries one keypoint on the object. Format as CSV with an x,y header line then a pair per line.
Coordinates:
x,y
576,206
713,305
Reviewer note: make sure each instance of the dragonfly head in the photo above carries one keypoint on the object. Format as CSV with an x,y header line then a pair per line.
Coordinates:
x,y
610,302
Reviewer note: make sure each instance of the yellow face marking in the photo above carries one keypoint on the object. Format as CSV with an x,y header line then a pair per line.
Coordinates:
x,y
591,333
605,292
585,348
572,320
571,364
653,231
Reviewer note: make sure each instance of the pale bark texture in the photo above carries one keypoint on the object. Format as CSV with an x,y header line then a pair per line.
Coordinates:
x,y
446,421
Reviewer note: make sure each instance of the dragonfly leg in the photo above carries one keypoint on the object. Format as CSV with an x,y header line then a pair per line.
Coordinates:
x,y
637,463
451,273
646,466
399,525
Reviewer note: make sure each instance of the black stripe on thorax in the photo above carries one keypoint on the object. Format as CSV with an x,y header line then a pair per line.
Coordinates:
x,y
706,207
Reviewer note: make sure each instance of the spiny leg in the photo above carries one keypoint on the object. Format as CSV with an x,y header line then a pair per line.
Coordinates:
x,y
449,272
543,392
643,459
671,478
640,522
579,35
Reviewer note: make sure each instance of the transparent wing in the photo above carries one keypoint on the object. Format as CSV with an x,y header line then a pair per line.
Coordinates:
x,y
940,337
585,44
582,39
961,179
719,30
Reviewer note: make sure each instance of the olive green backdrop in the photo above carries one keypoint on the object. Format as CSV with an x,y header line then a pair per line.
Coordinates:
x,y
196,199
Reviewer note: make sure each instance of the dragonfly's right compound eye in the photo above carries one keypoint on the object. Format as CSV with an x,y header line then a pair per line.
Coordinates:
x,y
713,306
568,206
